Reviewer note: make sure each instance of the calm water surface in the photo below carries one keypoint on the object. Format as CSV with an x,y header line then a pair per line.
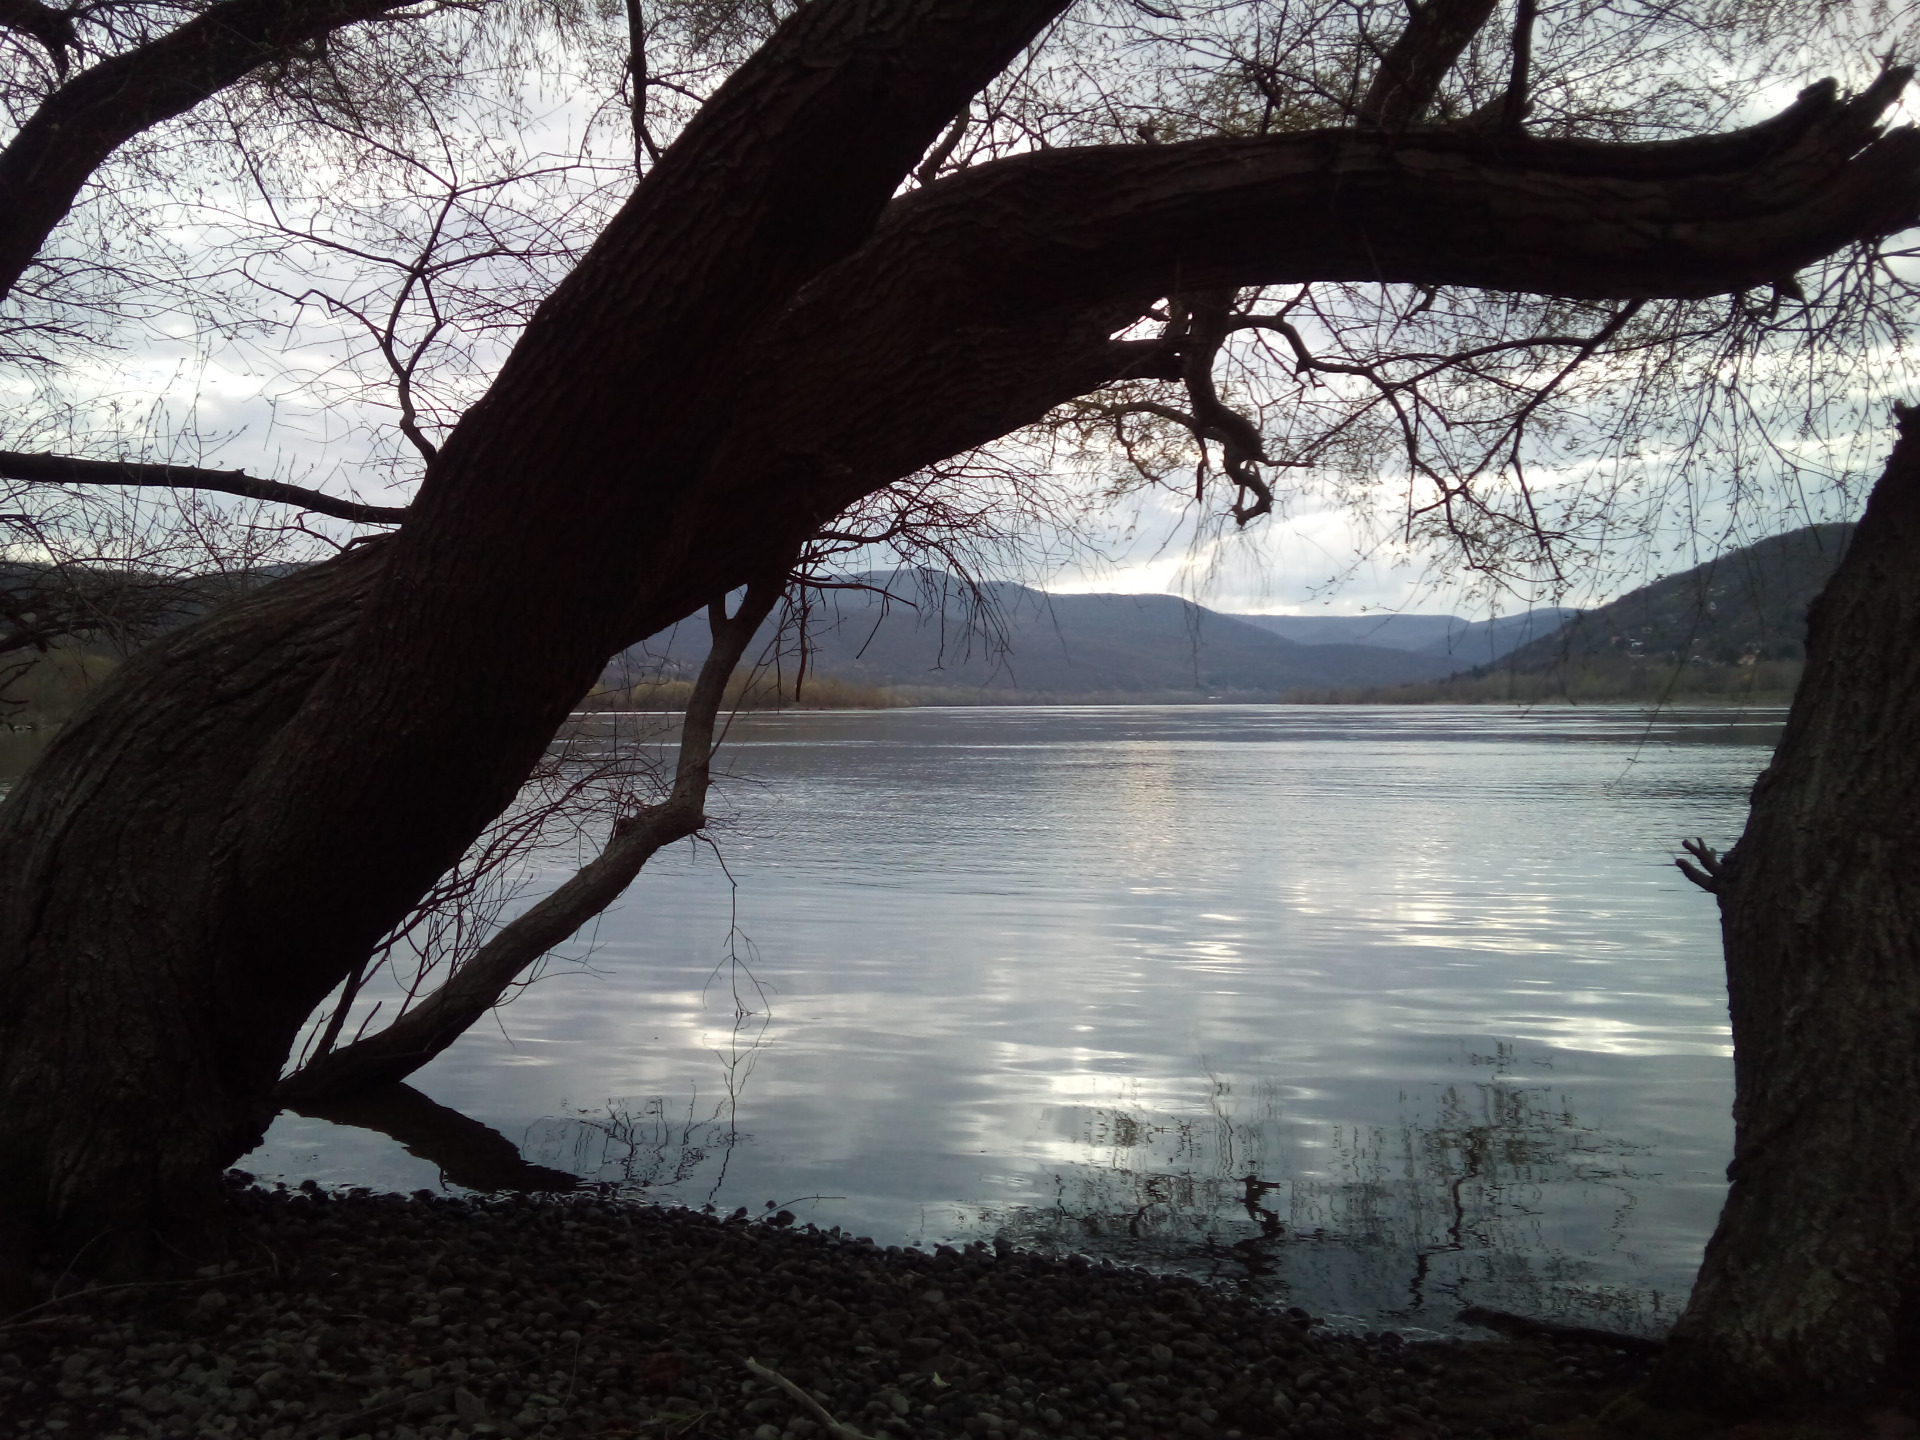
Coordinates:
x,y
1375,1011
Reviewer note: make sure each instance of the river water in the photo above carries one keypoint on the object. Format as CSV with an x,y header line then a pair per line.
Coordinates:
x,y
1375,1011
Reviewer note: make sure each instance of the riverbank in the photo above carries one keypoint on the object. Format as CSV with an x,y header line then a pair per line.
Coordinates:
x,y
433,1319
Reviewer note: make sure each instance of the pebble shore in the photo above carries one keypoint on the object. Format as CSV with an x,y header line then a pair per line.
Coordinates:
x,y
381,1317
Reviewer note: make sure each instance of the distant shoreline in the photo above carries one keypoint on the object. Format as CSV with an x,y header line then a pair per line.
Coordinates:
x,y
1768,701
1769,685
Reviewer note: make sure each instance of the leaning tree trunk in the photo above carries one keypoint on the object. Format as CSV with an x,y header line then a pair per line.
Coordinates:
x,y
235,820
390,1055
1810,1290
129,1062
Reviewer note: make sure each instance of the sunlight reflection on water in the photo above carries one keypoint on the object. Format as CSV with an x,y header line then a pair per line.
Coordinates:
x,y
1376,1011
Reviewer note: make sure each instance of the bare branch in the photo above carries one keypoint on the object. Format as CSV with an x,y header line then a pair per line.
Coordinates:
x,y
1710,874
1566,217
812,1406
645,150
66,470
1514,109
929,170
83,122
1209,317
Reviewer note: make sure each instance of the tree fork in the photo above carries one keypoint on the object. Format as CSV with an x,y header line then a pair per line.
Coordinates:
x,y
1810,1290
476,987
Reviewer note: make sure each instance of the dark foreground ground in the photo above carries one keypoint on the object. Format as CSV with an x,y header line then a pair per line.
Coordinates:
x,y
428,1319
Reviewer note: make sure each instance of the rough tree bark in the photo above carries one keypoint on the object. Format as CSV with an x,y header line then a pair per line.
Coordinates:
x,y
143,1028
1811,1285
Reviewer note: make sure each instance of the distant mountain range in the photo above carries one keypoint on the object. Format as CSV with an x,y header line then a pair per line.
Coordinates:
x,y
1734,626
1736,623
1444,637
926,637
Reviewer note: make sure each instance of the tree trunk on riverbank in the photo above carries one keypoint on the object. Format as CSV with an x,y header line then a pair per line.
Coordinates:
x,y
1810,1289
239,815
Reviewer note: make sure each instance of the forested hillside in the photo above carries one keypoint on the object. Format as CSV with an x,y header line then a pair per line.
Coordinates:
x,y
1734,626
1742,607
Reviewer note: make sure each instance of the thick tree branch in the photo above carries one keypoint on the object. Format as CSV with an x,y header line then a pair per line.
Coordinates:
x,y
52,28
988,298
1412,68
997,288
929,169
1516,102
1209,317
83,122
477,986
65,470
1578,218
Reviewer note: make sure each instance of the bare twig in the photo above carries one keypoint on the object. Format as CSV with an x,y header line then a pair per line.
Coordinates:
x,y
801,1397
1709,873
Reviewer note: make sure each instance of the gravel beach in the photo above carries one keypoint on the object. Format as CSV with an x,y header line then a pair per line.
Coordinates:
x,y
394,1318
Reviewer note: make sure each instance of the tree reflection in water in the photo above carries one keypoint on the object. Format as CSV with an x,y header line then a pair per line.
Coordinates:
x,y
469,1154
1403,1225
657,1149
1470,1198
643,1148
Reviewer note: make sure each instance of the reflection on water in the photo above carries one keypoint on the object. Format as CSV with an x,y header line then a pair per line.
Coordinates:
x,y
1400,1225
1375,1013
470,1156
655,1149
643,1152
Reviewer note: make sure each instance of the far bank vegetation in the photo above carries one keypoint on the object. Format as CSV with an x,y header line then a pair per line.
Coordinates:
x,y
1589,682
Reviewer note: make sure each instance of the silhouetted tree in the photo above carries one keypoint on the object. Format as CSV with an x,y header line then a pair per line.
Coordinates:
x,y
767,331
